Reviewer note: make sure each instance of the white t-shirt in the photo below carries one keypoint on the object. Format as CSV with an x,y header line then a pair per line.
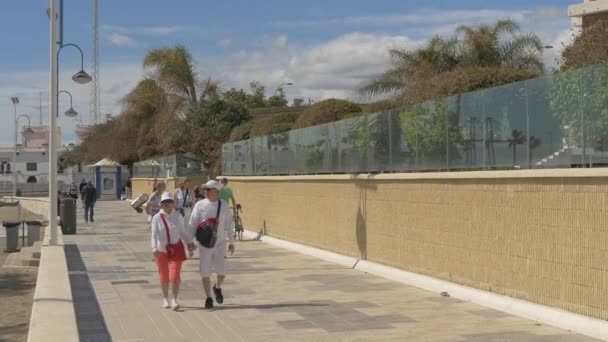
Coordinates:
x,y
205,209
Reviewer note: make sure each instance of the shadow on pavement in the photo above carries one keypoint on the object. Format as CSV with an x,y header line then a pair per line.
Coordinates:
x,y
90,321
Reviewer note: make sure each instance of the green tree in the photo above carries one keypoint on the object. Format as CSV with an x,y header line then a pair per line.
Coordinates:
x,y
278,99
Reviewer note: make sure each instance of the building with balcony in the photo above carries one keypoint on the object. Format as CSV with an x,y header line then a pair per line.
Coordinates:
x,y
589,12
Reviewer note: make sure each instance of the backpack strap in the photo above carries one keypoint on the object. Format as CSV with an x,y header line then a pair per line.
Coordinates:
x,y
166,228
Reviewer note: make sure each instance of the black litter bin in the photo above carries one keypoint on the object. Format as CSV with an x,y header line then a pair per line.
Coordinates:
x,y
67,216
12,235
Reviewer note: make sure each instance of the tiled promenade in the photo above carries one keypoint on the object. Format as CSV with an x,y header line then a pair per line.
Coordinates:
x,y
270,295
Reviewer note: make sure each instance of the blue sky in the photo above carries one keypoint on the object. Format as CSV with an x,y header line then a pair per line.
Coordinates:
x,y
325,47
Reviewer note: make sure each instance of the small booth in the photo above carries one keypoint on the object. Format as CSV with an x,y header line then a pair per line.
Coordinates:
x,y
108,179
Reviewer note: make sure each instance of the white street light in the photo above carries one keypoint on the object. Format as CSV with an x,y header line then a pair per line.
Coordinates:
x,y
70,113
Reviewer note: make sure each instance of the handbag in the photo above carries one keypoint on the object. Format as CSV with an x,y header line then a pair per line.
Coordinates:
x,y
206,233
175,251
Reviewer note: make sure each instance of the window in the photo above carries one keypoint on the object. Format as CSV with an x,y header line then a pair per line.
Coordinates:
x,y
31,167
5,166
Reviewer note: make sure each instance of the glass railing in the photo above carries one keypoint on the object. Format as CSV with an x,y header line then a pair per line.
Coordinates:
x,y
548,122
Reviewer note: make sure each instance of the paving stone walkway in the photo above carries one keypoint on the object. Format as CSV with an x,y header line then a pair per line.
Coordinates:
x,y
271,294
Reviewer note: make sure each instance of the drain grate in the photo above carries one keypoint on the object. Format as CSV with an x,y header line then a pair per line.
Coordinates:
x,y
125,282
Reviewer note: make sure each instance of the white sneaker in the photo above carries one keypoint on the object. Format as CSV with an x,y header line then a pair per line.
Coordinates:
x,y
166,303
174,305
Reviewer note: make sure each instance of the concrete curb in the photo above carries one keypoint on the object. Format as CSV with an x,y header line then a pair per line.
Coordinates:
x,y
53,317
562,319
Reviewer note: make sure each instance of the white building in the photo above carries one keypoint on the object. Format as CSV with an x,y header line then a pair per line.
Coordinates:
x,y
588,12
32,169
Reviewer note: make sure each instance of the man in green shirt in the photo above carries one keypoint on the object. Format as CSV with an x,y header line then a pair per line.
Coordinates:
x,y
226,193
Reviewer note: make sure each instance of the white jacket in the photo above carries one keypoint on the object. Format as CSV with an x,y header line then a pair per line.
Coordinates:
x,y
177,230
205,209
179,198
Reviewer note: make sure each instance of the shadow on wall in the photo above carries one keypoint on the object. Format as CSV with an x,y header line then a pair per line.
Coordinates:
x,y
361,223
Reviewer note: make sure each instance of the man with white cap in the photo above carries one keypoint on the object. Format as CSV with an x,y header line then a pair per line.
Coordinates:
x,y
211,223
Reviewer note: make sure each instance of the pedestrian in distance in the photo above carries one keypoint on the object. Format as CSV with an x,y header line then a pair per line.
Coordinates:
x,y
168,237
226,193
211,224
80,188
184,199
90,197
153,205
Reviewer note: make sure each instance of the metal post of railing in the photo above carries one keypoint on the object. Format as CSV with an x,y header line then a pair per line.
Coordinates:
x,y
390,140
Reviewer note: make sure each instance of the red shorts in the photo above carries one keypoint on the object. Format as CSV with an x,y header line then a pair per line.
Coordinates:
x,y
168,271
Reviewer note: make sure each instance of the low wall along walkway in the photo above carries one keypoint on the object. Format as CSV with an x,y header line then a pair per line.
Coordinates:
x,y
540,236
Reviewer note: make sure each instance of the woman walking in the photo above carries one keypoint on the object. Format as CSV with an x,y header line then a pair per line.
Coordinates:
x,y
153,205
168,238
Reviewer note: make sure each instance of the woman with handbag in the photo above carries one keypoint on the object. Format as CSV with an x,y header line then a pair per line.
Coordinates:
x,y
168,238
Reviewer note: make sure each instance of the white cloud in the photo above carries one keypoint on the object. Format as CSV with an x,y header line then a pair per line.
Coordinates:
x,y
280,42
226,42
148,30
121,40
330,69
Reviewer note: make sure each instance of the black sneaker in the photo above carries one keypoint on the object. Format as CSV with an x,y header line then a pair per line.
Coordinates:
x,y
218,295
209,303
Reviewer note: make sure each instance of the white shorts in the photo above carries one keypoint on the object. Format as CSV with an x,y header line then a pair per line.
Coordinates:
x,y
212,258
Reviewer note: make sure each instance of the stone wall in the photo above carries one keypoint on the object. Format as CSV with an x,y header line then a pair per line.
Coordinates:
x,y
540,236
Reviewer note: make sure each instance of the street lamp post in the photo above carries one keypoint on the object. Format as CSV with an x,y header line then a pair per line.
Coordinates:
x,y
53,123
29,129
15,101
81,77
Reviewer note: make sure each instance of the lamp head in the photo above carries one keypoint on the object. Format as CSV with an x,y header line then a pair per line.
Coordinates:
x,y
70,113
82,77
15,100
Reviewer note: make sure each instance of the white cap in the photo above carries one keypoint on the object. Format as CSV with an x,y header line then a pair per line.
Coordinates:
x,y
166,197
212,184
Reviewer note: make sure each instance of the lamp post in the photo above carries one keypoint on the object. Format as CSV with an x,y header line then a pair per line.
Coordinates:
x,y
81,77
15,101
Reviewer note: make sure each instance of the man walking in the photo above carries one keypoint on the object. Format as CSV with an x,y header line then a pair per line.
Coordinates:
x,y
226,193
80,190
90,197
207,210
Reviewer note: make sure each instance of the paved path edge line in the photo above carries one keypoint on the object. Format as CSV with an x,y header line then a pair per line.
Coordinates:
x,y
558,318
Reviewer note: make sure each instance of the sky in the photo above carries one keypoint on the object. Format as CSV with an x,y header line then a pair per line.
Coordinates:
x,y
325,48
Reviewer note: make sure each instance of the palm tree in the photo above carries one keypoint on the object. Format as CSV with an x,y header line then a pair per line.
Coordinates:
x,y
517,138
500,45
482,48
437,56
173,68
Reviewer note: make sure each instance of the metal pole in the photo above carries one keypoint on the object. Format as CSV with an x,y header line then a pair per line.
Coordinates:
x,y
583,137
53,126
528,154
15,153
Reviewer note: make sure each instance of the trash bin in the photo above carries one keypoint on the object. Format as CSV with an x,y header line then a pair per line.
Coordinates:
x,y
12,235
67,216
33,231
